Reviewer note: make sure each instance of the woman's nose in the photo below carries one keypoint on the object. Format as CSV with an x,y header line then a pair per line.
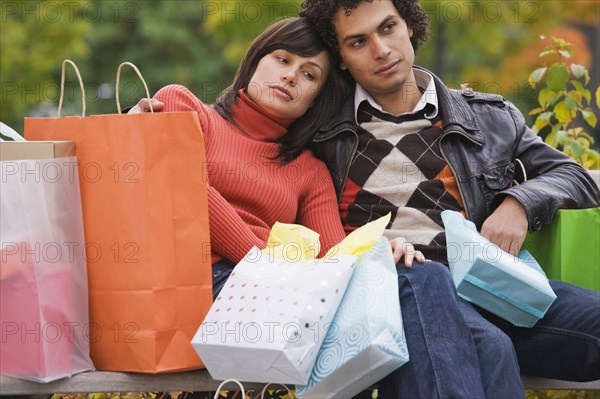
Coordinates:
x,y
289,77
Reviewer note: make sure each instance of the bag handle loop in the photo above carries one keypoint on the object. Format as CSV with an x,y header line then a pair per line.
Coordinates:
x,y
262,394
62,87
141,78
225,382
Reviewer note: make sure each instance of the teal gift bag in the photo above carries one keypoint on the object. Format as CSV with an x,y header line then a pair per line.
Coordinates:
x,y
365,341
512,287
568,248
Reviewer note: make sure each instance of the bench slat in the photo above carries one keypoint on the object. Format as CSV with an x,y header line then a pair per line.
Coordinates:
x,y
191,381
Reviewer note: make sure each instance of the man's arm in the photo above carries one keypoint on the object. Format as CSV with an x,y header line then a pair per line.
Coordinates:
x,y
555,181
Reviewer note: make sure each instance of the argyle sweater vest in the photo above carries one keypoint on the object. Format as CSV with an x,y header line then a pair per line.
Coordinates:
x,y
399,169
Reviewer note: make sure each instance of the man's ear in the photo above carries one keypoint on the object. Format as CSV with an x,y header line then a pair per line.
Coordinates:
x,y
410,32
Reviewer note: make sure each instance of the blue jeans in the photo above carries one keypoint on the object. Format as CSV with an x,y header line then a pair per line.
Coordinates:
x,y
459,351
220,273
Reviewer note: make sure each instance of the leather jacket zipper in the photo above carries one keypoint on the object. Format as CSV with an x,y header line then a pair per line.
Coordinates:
x,y
452,168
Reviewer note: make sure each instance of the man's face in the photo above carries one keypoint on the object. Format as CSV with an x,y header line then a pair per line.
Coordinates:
x,y
375,47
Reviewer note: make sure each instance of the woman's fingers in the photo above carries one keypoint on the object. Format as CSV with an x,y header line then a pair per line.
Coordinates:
x,y
145,104
401,248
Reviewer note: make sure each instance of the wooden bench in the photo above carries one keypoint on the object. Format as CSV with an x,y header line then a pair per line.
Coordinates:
x,y
191,381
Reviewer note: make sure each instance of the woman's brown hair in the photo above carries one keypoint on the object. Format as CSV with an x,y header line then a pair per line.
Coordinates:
x,y
296,36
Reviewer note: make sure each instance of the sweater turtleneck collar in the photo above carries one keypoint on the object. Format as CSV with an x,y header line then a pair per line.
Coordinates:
x,y
257,122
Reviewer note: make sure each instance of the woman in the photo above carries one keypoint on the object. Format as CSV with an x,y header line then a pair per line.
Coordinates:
x,y
256,134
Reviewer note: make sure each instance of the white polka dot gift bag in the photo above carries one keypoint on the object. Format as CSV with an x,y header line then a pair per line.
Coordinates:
x,y
269,320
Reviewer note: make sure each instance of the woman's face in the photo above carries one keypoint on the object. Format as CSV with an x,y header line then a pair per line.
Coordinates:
x,y
286,84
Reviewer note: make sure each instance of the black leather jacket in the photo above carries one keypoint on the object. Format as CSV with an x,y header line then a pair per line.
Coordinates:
x,y
483,134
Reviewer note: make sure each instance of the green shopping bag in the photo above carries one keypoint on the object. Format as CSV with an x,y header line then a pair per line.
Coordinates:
x,y
568,248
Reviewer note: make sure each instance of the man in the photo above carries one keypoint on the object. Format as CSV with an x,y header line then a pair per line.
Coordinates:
x,y
408,145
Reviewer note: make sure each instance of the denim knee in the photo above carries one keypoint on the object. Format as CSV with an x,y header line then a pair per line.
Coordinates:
x,y
433,275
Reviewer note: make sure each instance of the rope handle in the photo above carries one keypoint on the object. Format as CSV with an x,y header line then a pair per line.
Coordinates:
x,y
225,382
141,78
62,87
262,395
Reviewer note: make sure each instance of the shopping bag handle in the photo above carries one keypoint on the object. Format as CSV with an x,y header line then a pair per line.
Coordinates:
x,y
141,78
62,87
262,394
225,382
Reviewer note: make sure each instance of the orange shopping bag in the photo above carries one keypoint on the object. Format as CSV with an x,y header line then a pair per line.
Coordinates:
x,y
144,200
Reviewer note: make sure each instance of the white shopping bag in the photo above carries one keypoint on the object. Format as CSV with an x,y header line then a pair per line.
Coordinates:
x,y
43,276
271,317
366,340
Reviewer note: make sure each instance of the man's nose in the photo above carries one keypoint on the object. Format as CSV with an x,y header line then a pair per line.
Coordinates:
x,y
379,48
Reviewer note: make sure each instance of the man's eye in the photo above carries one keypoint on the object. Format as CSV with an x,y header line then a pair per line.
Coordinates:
x,y
357,43
389,27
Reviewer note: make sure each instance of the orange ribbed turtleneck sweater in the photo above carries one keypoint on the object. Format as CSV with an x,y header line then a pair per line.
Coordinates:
x,y
248,191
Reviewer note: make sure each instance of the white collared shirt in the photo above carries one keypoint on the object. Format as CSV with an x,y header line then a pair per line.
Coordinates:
x,y
425,84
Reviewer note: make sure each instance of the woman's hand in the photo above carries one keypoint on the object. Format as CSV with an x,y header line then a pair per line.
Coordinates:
x,y
401,248
144,106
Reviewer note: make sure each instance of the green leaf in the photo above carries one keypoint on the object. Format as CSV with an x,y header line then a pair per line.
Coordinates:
x,y
566,53
585,93
562,136
547,97
576,97
584,142
557,77
576,148
578,70
598,96
590,118
587,136
551,137
571,104
536,76
547,51
535,111
561,43
590,159
562,112
540,123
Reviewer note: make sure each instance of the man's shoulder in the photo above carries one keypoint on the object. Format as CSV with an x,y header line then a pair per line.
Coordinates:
x,y
471,96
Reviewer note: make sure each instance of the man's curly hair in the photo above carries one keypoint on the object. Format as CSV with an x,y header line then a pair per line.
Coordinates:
x,y
320,14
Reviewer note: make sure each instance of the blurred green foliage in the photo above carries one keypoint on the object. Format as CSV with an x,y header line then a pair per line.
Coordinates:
x,y
564,110
198,44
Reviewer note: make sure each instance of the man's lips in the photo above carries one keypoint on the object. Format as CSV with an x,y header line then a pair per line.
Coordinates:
x,y
388,67
282,91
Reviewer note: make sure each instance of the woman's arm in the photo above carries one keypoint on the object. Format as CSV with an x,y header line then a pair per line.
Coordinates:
x,y
318,208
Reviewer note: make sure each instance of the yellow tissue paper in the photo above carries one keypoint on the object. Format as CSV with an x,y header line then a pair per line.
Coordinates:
x,y
301,244
362,239
292,242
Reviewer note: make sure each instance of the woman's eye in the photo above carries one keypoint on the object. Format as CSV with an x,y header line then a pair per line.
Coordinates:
x,y
309,76
283,60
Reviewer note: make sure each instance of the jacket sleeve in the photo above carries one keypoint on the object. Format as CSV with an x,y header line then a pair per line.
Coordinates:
x,y
554,180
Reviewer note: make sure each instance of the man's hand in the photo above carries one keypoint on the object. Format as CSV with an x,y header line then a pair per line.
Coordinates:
x,y
401,248
144,106
507,226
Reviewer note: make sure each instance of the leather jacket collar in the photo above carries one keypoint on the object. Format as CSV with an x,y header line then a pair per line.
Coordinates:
x,y
456,115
